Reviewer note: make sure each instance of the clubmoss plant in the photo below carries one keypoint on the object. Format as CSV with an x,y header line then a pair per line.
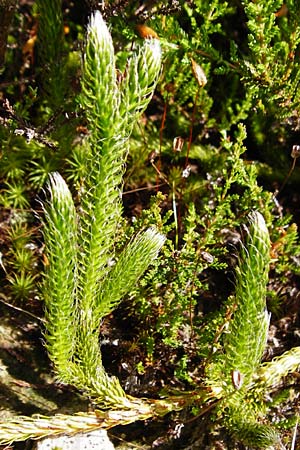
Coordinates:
x,y
245,339
244,345
87,275
85,279
235,378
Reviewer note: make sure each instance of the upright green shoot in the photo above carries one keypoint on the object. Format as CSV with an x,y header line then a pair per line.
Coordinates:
x,y
61,275
84,278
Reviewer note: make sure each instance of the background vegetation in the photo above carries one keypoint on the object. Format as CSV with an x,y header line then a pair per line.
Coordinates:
x,y
219,140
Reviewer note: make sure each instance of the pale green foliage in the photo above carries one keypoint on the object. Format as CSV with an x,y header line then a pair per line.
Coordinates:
x,y
60,282
254,434
135,259
245,341
105,102
237,362
238,405
271,373
83,282
86,277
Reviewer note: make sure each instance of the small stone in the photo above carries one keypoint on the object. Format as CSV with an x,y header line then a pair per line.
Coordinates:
x,y
94,440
